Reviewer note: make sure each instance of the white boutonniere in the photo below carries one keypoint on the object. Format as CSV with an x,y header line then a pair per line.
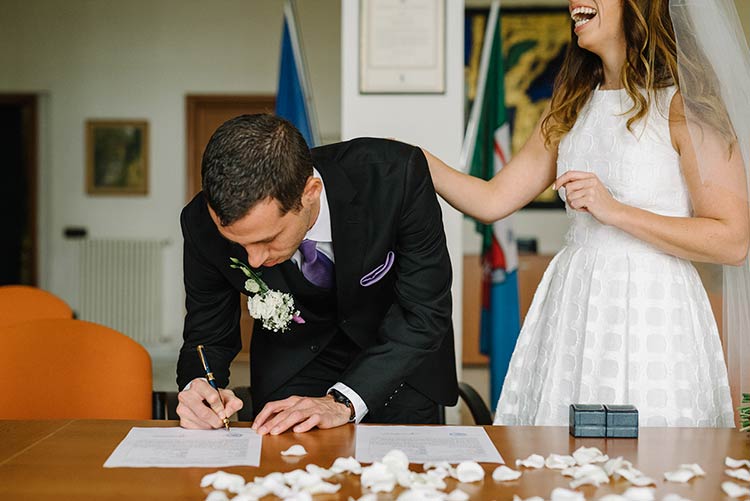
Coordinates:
x,y
274,308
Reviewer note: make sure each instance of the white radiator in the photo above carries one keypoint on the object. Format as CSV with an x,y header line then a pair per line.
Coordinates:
x,y
121,286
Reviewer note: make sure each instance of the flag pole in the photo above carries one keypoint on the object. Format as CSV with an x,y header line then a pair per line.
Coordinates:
x,y
467,149
290,12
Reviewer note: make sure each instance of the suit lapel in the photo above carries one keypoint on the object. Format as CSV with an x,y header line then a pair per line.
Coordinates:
x,y
348,227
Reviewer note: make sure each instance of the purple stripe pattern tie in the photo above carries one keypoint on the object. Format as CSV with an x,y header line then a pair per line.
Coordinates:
x,y
316,266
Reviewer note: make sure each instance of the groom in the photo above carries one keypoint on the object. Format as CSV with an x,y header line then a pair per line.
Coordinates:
x,y
353,231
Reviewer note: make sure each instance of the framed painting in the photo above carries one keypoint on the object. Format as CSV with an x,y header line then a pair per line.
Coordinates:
x,y
117,157
534,41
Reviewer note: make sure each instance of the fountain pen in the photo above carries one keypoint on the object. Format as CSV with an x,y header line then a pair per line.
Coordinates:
x,y
211,381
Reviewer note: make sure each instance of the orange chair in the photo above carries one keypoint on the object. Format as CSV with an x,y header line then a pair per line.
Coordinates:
x,y
72,369
21,303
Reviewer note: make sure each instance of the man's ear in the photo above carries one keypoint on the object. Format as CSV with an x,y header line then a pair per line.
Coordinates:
x,y
313,188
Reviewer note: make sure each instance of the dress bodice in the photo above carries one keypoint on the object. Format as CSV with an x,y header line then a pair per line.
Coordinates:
x,y
639,167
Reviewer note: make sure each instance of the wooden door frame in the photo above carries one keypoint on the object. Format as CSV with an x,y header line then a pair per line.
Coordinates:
x,y
30,130
193,103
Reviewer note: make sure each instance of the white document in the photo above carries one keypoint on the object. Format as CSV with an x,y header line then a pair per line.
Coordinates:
x,y
178,447
423,444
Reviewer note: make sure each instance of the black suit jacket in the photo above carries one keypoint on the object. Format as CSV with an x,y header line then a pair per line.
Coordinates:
x,y
381,199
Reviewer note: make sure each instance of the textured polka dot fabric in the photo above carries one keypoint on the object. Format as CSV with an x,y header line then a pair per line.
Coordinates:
x,y
615,320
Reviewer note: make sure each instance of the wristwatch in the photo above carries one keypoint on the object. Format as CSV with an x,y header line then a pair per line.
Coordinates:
x,y
342,399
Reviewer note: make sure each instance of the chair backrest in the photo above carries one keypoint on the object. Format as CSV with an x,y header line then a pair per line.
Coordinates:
x,y
21,303
72,369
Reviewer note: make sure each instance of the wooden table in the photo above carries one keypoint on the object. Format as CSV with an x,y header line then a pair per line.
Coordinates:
x,y
63,460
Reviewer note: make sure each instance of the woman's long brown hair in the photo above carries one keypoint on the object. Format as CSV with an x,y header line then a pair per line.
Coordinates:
x,y
650,64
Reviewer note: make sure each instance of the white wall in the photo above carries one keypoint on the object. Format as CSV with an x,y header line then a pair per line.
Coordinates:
x,y
138,59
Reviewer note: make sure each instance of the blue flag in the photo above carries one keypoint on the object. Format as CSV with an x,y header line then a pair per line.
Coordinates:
x,y
293,101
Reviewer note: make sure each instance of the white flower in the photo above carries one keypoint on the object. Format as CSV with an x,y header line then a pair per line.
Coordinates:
x,y
252,286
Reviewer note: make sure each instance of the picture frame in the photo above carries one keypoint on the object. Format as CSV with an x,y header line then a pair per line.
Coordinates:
x,y
402,47
117,157
534,42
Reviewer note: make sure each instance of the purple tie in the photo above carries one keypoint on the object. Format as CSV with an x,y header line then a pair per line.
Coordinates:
x,y
316,266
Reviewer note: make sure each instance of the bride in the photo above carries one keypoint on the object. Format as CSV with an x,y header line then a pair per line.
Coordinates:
x,y
641,141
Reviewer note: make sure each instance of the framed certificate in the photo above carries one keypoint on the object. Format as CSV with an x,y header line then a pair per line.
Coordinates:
x,y
402,46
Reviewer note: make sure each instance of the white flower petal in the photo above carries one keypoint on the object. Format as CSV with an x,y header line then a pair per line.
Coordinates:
x,y
559,462
421,495
589,474
734,490
561,494
534,498
217,496
297,496
319,472
503,474
741,474
533,461
457,495
224,481
639,494
295,450
469,471
378,478
322,487
674,497
678,476
396,460
586,455
349,464
254,490
736,463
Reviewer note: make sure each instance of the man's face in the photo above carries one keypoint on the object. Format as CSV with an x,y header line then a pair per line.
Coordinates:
x,y
268,236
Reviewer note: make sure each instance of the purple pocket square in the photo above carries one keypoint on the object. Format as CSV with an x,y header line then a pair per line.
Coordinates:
x,y
375,275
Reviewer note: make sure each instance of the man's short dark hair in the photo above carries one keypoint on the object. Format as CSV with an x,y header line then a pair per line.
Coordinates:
x,y
251,158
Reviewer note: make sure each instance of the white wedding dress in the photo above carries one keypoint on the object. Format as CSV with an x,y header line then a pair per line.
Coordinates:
x,y
614,319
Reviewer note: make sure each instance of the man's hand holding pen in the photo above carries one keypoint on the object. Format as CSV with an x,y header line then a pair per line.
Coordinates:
x,y
203,404
200,407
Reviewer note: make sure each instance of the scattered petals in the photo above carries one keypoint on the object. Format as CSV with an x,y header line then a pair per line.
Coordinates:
x,y
561,494
674,497
684,473
319,472
589,474
469,471
224,481
734,490
559,462
639,494
322,487
741,474
736,463
295,450
378,478
421,495
396,460
350,465
457,495
217,496
586,455
297,496
503,474
533,461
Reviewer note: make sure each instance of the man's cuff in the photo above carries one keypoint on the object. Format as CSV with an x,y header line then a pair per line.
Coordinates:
x,y
187,386
360,408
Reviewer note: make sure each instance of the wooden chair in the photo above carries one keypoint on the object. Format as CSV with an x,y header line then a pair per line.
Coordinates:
x,y
72,369
21,303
